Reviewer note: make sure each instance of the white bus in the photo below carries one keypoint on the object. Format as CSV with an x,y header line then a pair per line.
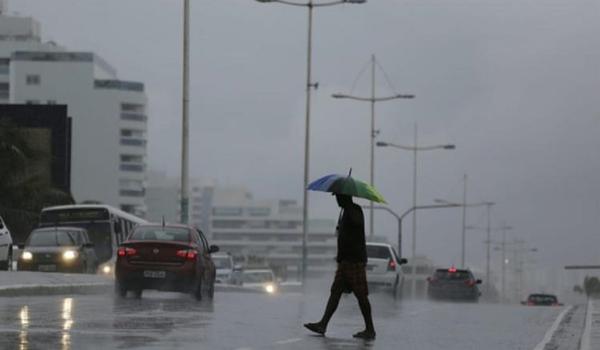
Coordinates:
x,y
107,227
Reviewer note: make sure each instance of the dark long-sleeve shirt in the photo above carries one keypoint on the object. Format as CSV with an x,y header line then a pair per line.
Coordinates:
x,y
351,236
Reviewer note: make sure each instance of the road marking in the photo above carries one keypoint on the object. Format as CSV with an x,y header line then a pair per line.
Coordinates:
x,y
552,329
587,330
288,341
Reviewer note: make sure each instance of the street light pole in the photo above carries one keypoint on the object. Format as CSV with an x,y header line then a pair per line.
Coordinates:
x,y
464,225
185,116
372,100
488,246
372,178
415,148
310,5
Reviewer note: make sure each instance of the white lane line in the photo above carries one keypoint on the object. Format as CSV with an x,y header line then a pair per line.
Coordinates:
x,y
586,336
552,329
288,341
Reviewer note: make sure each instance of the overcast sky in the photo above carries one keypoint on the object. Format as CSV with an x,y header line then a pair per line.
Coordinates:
x,y
515,84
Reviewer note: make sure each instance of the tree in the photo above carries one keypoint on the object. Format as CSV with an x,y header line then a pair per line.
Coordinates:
x,y
25,187
591,286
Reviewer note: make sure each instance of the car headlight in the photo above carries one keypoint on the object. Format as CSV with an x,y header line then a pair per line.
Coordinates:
x,y
27,256
269,288
106,269
69,255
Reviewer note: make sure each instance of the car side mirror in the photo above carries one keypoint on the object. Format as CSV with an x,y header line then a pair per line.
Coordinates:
x,y
213,249
403,261
478,281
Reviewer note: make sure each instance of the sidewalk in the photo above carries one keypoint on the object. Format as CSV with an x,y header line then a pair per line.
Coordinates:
x,y
19,283
590,339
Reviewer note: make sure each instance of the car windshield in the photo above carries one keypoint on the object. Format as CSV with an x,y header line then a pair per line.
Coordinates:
x,y
258,277
457,275
161,234
222,262
378,252
54,239
543,298
99,233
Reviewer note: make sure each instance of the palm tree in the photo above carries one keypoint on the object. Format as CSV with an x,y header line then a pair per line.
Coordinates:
x,y
24,185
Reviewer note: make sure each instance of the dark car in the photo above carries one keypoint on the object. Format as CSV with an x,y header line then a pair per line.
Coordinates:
x,y
166,257
542,300
453,284
58,249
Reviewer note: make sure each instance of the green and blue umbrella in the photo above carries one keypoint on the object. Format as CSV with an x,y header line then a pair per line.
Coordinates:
x,y
346,184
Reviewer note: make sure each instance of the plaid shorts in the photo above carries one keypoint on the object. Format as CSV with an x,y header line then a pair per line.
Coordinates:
x,y
351,277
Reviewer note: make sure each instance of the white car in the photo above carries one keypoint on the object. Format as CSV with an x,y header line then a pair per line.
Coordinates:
x,y
383,266
260,279
224,265
5,247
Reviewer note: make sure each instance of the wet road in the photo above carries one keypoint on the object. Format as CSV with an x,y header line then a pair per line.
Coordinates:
x,y
256,321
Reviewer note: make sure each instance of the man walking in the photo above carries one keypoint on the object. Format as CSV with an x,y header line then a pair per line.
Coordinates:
x,y
350,275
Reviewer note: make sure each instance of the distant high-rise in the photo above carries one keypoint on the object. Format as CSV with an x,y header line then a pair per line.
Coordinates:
x,y
109,115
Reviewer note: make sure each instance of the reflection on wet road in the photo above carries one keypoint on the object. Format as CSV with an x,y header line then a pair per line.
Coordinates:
x,y
255,321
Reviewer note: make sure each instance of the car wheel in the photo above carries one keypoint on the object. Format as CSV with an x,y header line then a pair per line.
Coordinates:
x,y
138,293
198,291
120,290
211,291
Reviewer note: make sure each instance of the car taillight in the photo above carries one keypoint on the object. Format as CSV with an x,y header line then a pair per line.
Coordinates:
x,y
125,251
189,254
530,303
391,265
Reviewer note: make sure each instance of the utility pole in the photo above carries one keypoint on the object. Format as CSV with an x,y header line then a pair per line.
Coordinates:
x,y
503,264
464,224
185,115
373,135
488,243
373,99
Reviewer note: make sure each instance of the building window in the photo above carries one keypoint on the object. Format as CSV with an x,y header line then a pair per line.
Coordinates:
x,y
32,79
132,158
132,108
256,211
138,168
131,193
4,91
227,211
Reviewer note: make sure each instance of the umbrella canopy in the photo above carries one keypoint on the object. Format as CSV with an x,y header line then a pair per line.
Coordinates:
x,y
346,184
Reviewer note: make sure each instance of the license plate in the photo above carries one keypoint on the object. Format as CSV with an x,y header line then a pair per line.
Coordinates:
x,y
47,268
155,274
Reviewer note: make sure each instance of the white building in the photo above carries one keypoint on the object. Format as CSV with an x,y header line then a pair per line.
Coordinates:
x,y
270,231
108,159
266,232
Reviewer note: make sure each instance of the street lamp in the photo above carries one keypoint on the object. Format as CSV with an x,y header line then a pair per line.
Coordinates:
x,y
415,149
373,99
310,5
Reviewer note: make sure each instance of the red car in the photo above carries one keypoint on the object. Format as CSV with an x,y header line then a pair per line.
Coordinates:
x,y
167,258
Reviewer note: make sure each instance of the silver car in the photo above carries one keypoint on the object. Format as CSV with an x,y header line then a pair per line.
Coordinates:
x,y
383,266
6,243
